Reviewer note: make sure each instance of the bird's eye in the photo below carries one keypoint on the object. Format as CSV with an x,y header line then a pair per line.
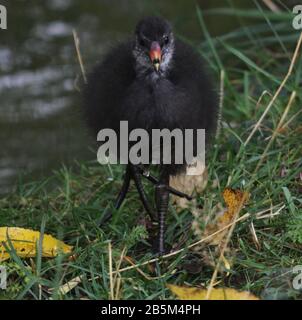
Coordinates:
x,y
142,42
166,40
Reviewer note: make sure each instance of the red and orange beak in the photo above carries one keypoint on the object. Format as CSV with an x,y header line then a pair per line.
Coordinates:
x,y
155,54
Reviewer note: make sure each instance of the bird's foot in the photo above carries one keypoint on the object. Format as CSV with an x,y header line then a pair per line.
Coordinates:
x,y
159,252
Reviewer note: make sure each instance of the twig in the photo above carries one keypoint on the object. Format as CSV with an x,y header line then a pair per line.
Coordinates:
x,y
276,131
117,279
271,5
146,276
221,99
77,46
291,119
65,288
265,92
271,215
255,237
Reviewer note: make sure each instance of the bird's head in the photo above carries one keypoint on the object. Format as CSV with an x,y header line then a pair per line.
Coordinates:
x,y
154,46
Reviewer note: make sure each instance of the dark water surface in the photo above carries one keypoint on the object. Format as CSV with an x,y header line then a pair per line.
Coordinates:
x,y
40,123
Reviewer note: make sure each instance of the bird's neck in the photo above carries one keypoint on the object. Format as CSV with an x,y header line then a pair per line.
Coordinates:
x,y
149,74
154,77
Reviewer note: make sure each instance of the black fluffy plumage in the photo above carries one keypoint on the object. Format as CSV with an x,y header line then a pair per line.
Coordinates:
x,y
180,96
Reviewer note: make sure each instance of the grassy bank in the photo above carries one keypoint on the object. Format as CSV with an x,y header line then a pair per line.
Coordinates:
x,y
258,150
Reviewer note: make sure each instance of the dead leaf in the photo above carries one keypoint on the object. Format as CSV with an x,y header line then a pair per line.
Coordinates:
x,y
67,287
25,243
233,199
191,293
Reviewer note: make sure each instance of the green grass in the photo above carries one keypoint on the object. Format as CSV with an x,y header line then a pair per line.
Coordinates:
x,y
69,203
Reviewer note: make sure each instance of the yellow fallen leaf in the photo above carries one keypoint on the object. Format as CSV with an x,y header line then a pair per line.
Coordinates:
x,y
25,243
233,199
191,293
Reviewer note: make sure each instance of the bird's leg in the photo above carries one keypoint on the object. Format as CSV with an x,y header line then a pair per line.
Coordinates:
x,y
136,175
162,203
146,174
125,187
121,196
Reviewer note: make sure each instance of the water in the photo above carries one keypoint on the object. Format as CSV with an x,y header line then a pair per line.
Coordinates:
x,y
40,123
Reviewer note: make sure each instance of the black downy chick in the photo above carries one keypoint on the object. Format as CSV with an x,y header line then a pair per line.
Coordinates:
x,y
153,81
